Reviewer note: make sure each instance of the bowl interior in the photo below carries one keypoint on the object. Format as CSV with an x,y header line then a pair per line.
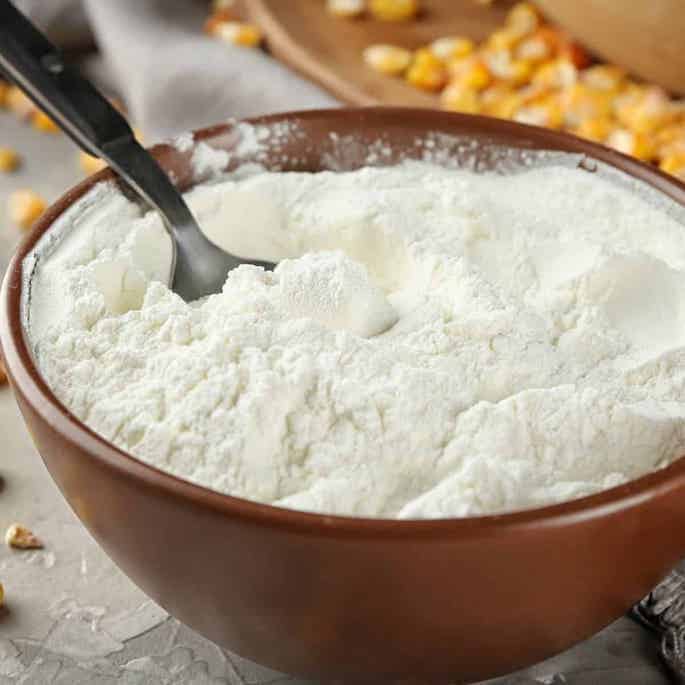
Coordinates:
x,y
341,139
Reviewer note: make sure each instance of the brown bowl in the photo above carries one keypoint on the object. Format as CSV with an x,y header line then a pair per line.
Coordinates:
x,y
352,598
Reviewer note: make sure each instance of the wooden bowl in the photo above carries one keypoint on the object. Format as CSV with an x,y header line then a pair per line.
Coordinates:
x,y
647,37
342,598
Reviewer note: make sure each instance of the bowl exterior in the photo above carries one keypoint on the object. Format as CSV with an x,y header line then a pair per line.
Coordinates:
x,y
339,598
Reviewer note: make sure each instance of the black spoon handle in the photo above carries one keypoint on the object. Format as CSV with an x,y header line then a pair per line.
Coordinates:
x,y
38,67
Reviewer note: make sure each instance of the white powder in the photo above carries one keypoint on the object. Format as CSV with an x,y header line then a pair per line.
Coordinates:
x,y
436,342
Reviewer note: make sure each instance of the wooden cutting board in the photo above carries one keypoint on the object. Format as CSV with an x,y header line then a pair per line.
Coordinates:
x,y
328,49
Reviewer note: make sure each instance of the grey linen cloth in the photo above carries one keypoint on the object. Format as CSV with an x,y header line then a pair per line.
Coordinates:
x,y
169,74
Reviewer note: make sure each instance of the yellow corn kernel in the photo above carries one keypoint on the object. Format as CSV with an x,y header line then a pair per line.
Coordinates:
x,y
460,98
475,75
238,33
646,113
545,113
4,90
20,537
603,77
674,164
499,100
387,59
558,73
451,47
631,143
523,19
394,10
19,103
90,164
670,140
347,9
456,66
426,71
535,48
581,102
24,207
42,122
502,39
597,129
9,159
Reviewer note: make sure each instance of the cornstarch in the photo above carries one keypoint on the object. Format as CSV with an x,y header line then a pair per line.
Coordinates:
x,y
433,342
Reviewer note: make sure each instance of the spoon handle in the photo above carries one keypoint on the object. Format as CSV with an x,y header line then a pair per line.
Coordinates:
x,y
39,69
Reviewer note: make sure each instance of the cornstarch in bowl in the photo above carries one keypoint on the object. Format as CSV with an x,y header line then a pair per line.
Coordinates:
x,y
434,342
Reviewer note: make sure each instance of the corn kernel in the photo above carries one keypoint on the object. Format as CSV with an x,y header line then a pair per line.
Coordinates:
x,y
476,76
90,164
394,10
597,129
4,90
459,98
547,113
631,143
502,39
9,159
42,122
559,73
535,48
19,103
20,537
427,71
347,9
581,102
387,59
499,100
603,77
450,47
238,33
214,21
646,113
24,207
523,19
670,140
673,164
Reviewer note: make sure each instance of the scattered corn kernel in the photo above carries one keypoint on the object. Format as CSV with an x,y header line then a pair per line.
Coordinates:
x,y
475,75
581,102
534,49
502,39
90,164
4,90
631,143
9,159
346,8
238,33
427,71
214,21
575,54
24,207
42,122
674,164
451,47
20,537
19,103
394,10
387,59
547,114
558,73
523,19
603,77
500,100
597,129
460,98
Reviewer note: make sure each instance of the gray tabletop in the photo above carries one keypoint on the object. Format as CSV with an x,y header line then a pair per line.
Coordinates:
x,y
72,617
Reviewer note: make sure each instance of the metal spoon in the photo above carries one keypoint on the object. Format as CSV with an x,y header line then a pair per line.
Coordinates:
x,y
199,267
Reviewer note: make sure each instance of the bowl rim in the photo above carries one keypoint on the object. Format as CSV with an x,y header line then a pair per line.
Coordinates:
x,y
27,380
